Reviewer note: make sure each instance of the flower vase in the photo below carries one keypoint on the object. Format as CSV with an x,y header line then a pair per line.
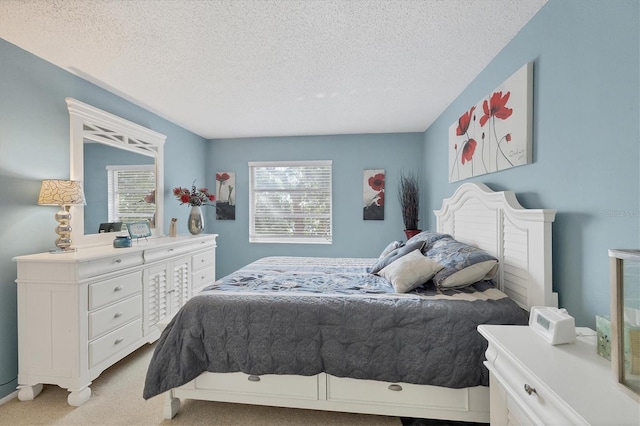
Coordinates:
x,y
411,232
196,220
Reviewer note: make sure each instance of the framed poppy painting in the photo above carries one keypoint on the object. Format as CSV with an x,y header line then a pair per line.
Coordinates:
x,y
494,134
225,196
373,195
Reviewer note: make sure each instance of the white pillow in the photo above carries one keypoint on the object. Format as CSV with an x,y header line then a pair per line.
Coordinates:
x,y
410,271
471,274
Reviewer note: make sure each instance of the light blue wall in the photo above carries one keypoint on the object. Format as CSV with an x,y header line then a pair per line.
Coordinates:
x,y
585,139
351,154
34,145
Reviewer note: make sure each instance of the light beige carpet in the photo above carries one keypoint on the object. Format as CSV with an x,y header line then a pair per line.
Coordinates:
x,y
117,400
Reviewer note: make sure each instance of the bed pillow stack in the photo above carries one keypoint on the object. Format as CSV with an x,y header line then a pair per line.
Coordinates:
x,y
450,264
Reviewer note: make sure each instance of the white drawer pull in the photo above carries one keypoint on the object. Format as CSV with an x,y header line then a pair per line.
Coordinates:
x,y
253,378
118,288
395,387
528,389
170,250
117,260
118,340
118,314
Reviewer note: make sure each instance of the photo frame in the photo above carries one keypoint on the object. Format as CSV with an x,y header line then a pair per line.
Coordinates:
x,y
139,230
496,133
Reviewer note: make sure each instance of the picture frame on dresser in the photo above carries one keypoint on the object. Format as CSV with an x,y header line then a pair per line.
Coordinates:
x,y
625,319
139,230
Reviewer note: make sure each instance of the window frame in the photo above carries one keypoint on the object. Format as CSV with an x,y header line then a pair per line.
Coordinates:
x,y
253,238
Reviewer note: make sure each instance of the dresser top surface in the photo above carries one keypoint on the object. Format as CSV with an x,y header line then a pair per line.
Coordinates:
x,y
96,252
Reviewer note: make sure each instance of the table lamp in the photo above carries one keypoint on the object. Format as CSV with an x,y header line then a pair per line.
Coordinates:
x,y
63,193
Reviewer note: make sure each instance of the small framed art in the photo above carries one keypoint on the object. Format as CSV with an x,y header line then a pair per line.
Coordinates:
x,y
139,230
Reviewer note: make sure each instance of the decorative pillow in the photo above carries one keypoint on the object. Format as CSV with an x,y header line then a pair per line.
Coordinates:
x,y
463,264
429,238
411,271
395,255
390,247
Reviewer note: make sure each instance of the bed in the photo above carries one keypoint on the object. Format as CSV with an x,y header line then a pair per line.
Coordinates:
x,y
330,334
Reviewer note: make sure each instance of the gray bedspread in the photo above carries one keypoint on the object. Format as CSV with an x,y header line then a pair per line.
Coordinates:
x,y
424,337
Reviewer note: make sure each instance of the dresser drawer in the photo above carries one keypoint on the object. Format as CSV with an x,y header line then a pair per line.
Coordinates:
x,y
201,279
204,260
156,254
102,348
106,265
295,387
114,316
108,291
528,399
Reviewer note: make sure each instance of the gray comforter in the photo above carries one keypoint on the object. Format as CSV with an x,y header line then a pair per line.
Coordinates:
x,y
424,337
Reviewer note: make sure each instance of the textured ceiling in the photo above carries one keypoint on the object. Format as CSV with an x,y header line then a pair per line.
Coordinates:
x,y
242,68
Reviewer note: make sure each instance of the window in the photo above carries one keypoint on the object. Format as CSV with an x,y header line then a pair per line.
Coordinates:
x,y
131,196
290,202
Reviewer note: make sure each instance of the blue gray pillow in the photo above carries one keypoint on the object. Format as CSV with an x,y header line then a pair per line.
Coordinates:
x,y
429,238
396,254
463,264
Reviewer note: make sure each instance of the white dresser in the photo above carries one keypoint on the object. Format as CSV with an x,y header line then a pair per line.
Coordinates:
x,y
534,383
80,312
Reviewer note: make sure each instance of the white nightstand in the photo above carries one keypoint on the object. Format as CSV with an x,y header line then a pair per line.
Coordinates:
x,y
532,382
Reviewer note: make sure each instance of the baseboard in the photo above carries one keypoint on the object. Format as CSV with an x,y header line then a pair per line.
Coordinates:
x,y
8,397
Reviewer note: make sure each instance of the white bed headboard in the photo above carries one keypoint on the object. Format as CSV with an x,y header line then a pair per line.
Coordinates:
x,y
520,238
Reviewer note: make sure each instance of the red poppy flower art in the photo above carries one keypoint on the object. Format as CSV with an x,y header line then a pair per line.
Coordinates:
x,y
373,195
494,134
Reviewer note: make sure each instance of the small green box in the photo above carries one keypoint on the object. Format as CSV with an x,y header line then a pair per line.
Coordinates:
x,y
631,344
603,331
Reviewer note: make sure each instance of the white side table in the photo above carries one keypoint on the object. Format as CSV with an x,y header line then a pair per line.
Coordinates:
x,y
533,382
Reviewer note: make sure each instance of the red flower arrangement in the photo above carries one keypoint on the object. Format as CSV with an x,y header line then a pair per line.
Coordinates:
x,y
195,196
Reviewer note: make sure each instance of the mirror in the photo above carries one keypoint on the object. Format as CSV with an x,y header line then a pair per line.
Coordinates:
x,y
100,143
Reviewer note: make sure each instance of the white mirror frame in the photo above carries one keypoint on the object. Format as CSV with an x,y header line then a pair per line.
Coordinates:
x,y
91,123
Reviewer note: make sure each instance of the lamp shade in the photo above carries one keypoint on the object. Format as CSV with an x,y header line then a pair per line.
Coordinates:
x,y
56,192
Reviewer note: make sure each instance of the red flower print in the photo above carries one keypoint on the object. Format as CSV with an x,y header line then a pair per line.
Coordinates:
x,y
380,199
468,149
508,137
377,182
496,107
221,177
464,121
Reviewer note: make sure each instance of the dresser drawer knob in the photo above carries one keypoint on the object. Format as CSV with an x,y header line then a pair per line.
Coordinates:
x,y
528,389
395,387
118,314
118,288
253,378
119,340
118,260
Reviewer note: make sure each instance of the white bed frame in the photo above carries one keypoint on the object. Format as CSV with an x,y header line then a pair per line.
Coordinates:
x,y
493,221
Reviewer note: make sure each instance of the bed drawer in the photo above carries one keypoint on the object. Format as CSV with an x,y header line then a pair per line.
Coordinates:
x,y
102,348
108,291
298,387
114,316
396,394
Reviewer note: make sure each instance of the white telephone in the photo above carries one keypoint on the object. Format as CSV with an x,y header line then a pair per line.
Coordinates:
x,y
555,325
